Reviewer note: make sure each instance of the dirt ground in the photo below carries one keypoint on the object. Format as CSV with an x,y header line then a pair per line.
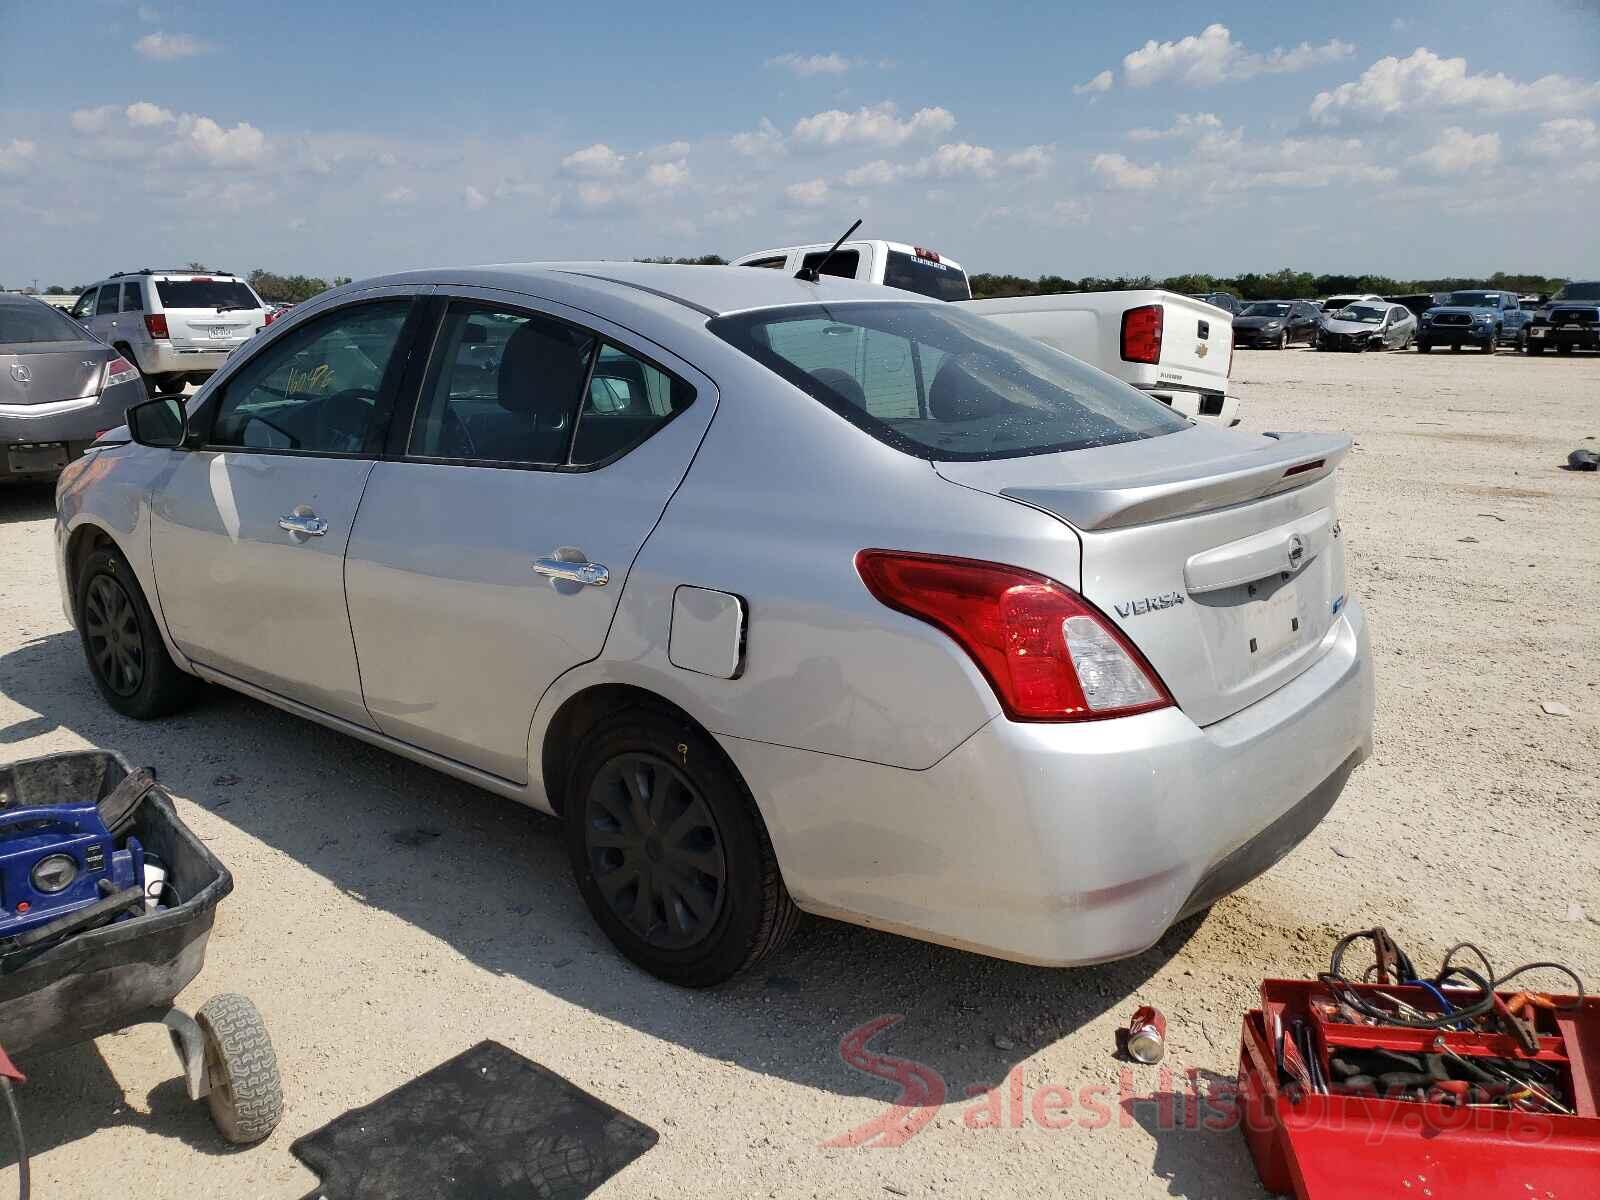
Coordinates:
x,y
386,918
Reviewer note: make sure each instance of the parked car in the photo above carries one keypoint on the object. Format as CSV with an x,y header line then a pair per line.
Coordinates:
x,y
892,264
177,327
1472,318
1277,324
1566,325
1417,303
1368,327
905,619
59,389
1334,303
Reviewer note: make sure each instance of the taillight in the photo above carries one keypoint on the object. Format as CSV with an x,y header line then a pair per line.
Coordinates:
x,y
119,370
156,323
271,317
1141,334
1048,653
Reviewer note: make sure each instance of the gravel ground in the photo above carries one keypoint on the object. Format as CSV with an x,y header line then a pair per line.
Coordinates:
x,y
386,918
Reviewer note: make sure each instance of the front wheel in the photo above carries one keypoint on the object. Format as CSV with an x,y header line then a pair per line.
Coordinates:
x,y
1424,347
1493,344
669,852
127,658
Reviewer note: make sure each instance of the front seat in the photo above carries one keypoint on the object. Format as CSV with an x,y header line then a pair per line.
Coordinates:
x,y
542,369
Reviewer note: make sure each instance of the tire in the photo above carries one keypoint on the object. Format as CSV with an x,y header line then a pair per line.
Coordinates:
x,y
1283,341
169,384
122,644
1424,347
1455,347
246,1097
1492,344
636,778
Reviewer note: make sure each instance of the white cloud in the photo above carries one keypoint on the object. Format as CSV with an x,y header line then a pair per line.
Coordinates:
x,y
1458,151
399,195
813,193
877,173
1424,80
1564,137
875,126
666,150
956,159
1100,83
804,65
1186,125
93,120
1121,173
474,199
1030,160
142,114
164,47
600,199
242,144
1212,57
598,161
764,141
730,214
668,175
16,155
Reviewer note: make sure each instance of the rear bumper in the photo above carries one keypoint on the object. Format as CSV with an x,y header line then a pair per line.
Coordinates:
x,y
1069,844
73,422
1202,406
165,358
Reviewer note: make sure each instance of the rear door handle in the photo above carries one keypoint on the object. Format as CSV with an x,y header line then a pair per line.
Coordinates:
x,y
592,574
306,524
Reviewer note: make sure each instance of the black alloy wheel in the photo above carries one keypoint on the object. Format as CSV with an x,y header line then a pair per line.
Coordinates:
x,y
655,850
113,637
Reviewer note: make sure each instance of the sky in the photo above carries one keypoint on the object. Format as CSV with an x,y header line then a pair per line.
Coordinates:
x,y
350,137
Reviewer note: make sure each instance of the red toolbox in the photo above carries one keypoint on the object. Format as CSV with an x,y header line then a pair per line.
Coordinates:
x,y
1331,1145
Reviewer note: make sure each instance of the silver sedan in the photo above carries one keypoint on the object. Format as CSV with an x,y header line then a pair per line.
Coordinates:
x,y
784,595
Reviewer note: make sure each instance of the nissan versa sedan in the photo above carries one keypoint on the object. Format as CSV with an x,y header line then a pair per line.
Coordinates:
x,y
783,595
60,387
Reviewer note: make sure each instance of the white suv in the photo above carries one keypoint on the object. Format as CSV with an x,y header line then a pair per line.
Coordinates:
x,y
177,326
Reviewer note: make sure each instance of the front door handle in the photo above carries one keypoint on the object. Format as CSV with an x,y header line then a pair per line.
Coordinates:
x,y
306,524
591,573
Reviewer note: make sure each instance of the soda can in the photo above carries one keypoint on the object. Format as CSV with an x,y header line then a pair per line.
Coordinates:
x,y
1147,1035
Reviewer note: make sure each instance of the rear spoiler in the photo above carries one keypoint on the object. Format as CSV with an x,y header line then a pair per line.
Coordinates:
x,y
1295,460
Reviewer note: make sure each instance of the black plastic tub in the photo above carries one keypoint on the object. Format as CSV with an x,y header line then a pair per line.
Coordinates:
x,y
122,974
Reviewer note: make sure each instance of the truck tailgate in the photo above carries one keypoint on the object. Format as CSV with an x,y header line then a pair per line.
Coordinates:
x,y
1196,344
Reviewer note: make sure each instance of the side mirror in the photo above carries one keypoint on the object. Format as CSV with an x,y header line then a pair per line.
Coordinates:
x,y
161,423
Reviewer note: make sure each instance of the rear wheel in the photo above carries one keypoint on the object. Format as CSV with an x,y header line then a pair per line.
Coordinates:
x,y
670,853
169,384
127,658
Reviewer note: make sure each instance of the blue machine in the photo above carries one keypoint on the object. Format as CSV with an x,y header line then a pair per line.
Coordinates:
x,y
56,860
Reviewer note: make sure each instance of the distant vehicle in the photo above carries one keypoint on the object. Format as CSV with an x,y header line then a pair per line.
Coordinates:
x,y
60,387
1377,326
1418,303
783,595
1566,325
1276,324
1335,303
1585,290
177,327
893,264
1481,318
1223,300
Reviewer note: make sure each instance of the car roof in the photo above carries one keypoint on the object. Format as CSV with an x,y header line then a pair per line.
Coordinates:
x,y
707,291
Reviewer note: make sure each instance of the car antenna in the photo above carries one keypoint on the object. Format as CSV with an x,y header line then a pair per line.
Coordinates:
x,y
814,274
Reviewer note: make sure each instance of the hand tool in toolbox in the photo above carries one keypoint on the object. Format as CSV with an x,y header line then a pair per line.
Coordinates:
x,y
1391,1083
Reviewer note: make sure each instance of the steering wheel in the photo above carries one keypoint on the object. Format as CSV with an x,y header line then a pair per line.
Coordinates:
x,y
343,419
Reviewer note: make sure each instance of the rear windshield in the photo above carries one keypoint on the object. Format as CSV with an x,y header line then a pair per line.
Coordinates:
x,y
938,280
21,323
941,383
1264,310
205,293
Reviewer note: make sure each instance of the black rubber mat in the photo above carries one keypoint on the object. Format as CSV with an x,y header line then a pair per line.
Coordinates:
x,y
488,1123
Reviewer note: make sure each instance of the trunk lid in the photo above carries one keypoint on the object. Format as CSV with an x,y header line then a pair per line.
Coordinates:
x,y
1217,553
44,372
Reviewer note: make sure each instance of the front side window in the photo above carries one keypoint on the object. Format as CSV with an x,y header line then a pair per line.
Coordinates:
x,y
772,264
108,300
940,383
85,305
316,390
502,386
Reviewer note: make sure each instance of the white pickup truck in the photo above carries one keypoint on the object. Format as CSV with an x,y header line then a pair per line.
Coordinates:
x,y
1178,349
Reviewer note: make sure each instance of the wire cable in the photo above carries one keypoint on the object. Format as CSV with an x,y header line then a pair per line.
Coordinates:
x,y
24,1186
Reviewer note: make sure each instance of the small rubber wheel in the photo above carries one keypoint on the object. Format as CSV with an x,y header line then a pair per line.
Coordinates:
x,y
669,852
127,658
246,1096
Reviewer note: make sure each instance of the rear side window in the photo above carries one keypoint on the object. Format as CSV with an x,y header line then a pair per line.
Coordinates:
x,y
26,323
132,298
502,387
941,383
108,299
774,264
925,277
844,264
205,293
628,400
